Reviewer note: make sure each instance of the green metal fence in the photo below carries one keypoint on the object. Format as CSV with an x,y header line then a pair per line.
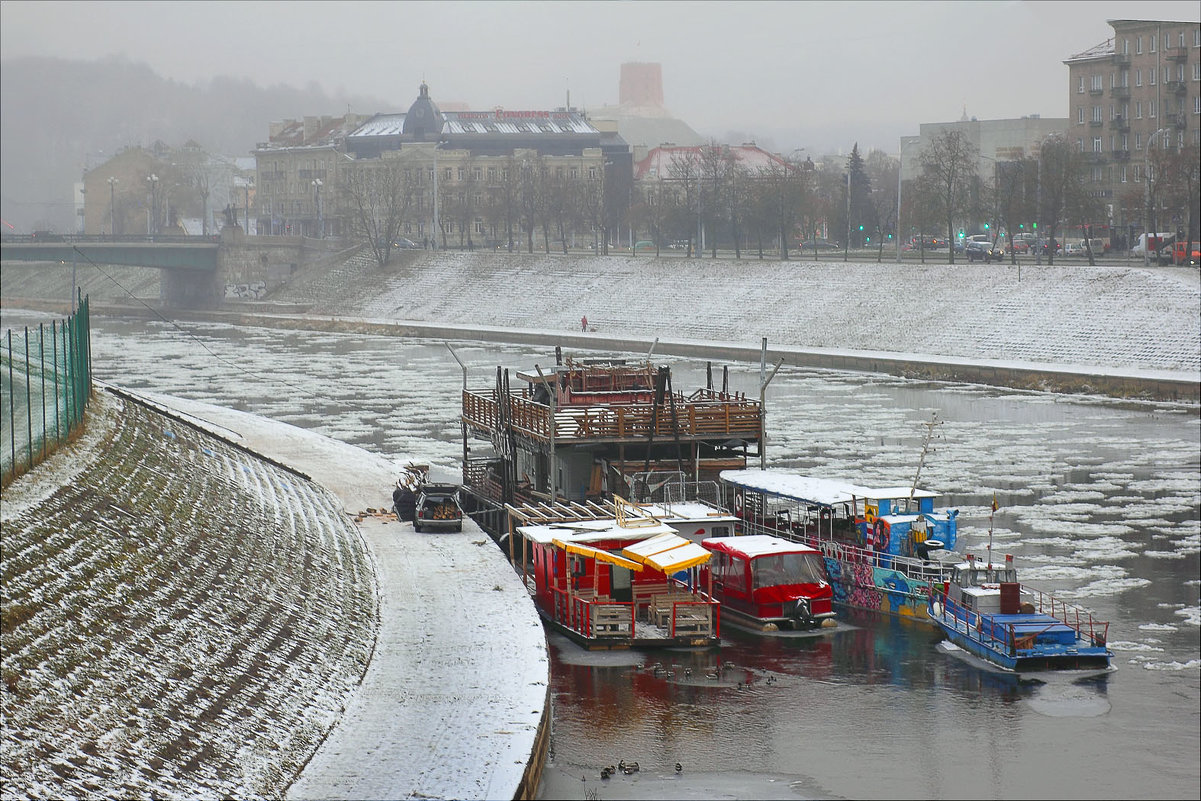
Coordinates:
x,y
45,383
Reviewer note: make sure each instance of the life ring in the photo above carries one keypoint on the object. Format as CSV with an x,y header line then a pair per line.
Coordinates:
x,y
738,502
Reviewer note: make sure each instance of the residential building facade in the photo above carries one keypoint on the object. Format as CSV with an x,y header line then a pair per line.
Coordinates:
x,y
1135,93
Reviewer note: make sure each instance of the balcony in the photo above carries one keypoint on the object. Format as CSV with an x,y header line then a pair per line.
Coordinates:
x,y
1120,123
1096,91
1179,121
1095,123
1176,86
1121,155
1120,92
1176,53
1121,59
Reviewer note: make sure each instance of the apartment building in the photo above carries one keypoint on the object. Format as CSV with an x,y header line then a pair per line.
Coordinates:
x,y
1139,90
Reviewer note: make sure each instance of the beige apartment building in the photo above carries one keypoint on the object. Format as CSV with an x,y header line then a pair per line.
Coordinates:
x,y
460,169
1138,91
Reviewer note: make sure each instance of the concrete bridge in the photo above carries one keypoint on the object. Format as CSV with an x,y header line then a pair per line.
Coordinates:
x,y
196,270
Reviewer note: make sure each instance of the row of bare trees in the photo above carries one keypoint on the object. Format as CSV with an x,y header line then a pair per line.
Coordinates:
x,y
709,199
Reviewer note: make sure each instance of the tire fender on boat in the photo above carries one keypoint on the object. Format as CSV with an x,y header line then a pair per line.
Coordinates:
x,y
935,609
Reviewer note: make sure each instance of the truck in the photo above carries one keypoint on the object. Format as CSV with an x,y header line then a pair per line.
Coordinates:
x,y
1174,253
1154,241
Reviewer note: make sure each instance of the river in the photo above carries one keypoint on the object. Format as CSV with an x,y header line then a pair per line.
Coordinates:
x,y
1099,500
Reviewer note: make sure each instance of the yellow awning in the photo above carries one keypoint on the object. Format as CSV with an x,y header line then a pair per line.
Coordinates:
x,y
667,552
598,554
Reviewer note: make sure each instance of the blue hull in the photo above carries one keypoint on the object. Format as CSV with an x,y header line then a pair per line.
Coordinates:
x,y
992,637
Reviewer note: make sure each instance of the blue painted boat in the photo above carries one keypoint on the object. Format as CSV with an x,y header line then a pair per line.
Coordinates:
x,y
984,610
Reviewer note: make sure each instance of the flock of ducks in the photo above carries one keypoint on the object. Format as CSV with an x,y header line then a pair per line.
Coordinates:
x,y
627,768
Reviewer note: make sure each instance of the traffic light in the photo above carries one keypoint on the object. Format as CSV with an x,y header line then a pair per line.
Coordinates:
x,y
961,233
985,226
861,228
1036,226
1021,226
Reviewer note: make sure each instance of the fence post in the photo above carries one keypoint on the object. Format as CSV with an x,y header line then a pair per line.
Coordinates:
x,y
58,420
42,373
28,404
12,422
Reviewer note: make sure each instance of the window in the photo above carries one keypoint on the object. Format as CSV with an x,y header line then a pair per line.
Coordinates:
x,y
1138,46
1197,37
491,175
1125,141
1096,113
1113,111
1151,109
1197,70
1197,104
1152,74
1138,109
448,173
1098,83
1153,40
1080,86
477,173
1079,115
1098,174
462,173
592,173
574,173
1080,145
1137,173
1125,47
1122,173
1138,77
1096,144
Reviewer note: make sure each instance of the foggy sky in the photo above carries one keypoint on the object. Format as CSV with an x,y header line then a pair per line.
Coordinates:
x,y
795,74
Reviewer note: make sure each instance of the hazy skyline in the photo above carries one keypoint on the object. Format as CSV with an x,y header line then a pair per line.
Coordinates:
x,y
794,73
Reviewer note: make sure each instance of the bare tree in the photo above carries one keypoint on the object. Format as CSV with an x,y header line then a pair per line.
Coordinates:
x,y
948,175
685,174
882,171
1062,193
378,198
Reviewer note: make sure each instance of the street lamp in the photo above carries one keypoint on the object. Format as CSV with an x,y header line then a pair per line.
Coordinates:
x,y
1147,196
152,221
112,194
900,170
317,184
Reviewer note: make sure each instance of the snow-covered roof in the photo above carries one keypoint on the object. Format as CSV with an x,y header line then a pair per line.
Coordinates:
x,y
686,512
1102,50
487,122
586,531
661,161
817,491
752,545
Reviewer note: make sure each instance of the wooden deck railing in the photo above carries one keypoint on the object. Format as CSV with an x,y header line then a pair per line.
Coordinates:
x,y
707,417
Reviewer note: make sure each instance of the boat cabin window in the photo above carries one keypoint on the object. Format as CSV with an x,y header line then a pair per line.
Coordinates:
x,y
974,577
731,570
788,568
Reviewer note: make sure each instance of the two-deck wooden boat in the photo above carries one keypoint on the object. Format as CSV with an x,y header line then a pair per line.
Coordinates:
x,y
767,584
983,609
883,547
586,430
611,583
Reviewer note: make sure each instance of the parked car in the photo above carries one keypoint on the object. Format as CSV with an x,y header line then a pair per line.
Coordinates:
x,y
815,245
679,244
982,251
930,242
407,244
438,508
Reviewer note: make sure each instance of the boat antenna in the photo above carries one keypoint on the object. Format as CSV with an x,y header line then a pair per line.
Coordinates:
x,y
992,512
922,459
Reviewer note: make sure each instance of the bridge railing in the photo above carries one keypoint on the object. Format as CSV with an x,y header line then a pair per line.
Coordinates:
x,y
45,383
106,239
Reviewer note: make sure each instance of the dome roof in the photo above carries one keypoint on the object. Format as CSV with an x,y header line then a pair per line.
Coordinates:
x,y
424,120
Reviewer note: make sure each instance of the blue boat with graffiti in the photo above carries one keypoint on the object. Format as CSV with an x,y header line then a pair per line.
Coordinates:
x,y
884,547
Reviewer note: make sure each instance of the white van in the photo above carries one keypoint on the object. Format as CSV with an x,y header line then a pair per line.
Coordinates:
x,y
1157,241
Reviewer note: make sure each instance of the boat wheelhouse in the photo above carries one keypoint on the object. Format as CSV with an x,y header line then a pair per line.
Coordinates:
x,y
585,430
883,547
611,583
767,583
983,609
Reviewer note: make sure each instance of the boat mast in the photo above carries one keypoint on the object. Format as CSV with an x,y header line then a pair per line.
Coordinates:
x,y
922,459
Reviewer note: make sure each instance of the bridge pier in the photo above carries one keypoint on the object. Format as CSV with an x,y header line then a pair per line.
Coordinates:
x,y
191,289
